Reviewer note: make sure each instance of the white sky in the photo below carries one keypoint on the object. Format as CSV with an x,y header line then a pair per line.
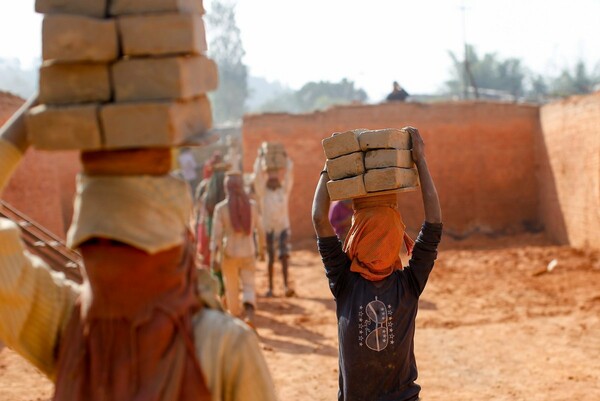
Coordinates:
x,y
374,42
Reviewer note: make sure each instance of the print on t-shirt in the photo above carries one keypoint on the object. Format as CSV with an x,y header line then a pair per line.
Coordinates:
x,y
375,326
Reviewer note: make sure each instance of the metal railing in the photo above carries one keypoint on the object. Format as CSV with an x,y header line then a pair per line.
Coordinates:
x,y
45,244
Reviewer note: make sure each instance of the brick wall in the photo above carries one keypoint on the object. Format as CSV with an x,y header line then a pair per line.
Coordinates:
x,y
481,155
570,170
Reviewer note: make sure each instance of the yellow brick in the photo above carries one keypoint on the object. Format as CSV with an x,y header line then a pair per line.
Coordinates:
x,y
382,158
390,178
121,7
347,188
64,128
148,124
164,78
346,166
162,34
340,144
384,139
74,38
90,8
74,83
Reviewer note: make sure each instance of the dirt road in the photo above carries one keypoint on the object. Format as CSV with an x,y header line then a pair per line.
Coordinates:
x,y
490,327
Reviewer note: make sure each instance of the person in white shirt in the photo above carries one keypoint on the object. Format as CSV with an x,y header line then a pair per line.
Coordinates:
x,y
273,190
235,221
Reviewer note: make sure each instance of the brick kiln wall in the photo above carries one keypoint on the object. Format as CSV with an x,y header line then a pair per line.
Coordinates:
x,y
44,183
481,155
570,170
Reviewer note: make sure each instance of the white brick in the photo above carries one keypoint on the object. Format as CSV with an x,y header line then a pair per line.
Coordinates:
x,y
150,124
90,8
340,144
347,188
74,38
121,7
64,128
74,83
346,166
163,78
382,158
385,138
162,34
390,178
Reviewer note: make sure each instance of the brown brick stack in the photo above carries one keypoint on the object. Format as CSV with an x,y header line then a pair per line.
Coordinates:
x,y
274,157
122,74
369,162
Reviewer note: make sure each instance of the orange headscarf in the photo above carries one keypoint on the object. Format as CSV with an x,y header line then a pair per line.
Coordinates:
x,y
375,238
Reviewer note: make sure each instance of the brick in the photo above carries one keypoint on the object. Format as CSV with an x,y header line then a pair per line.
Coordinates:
x,y
384,138
347,188
274,161
74,38
390,178
90,8
162,34
346,166
163,78
154,124
74,83
274,147
123,7
64,128
148,161
340,144
382,158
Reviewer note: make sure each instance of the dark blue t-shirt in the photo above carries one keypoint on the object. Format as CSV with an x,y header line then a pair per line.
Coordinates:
x,y
376,322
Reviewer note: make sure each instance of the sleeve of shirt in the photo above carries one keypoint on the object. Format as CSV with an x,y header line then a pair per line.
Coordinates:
x,y
259,179
423,256
289,176
35,303
231,359
216,239
258,227
336,262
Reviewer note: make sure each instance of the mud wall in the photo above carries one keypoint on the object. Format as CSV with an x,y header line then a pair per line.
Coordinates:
x,y
569,171
481,155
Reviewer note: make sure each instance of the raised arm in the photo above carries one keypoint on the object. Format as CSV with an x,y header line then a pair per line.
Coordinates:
x,y
14,131
431,202
320,208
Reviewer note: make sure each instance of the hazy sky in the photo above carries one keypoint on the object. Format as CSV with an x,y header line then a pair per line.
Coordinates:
x,y
374,42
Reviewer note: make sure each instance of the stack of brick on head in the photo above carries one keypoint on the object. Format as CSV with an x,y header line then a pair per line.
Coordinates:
x,y
376,299
124,82
371,167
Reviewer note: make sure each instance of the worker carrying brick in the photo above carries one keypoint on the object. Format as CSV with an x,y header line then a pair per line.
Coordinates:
x,y
377,299
235,222
273,182
137,328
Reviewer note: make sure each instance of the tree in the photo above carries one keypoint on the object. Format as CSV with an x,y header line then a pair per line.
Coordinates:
x,y
490,74
316,96
575,83
226,49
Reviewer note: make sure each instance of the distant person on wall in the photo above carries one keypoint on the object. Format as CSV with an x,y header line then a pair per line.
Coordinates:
x,y
235,222
273,190
377,299
398,93
340,216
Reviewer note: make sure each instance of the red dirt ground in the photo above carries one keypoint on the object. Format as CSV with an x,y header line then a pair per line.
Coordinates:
x,y
490,327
